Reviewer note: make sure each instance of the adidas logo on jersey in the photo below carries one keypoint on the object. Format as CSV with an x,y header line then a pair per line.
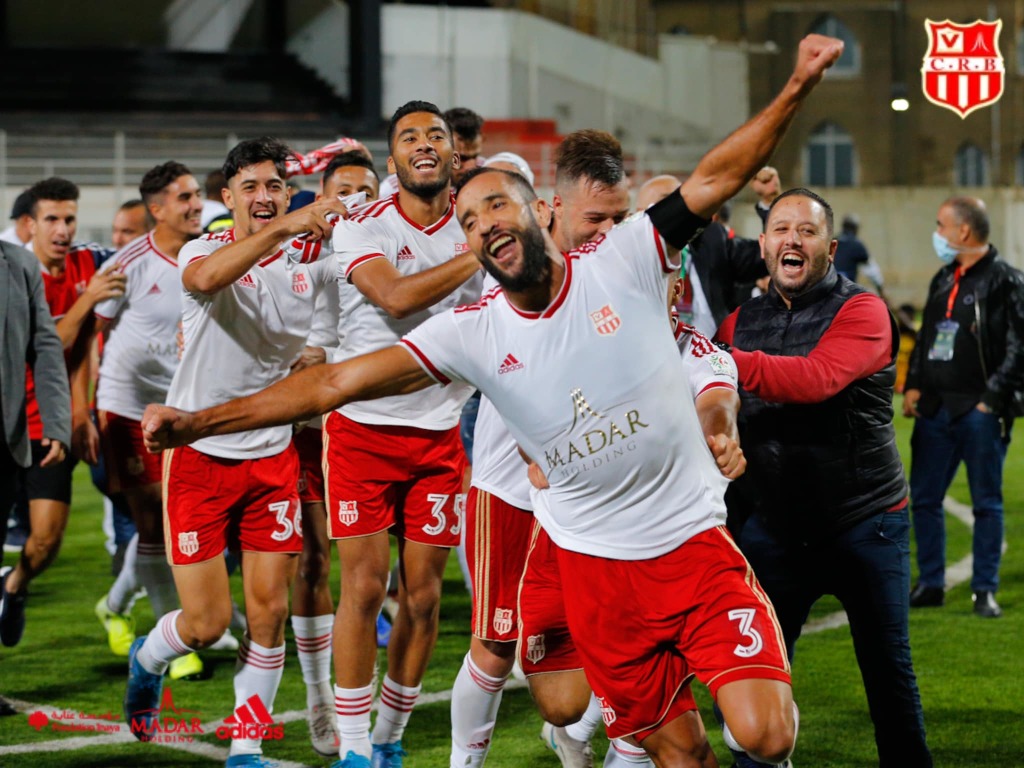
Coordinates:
x,y
509,364
405,254
246,281
154,289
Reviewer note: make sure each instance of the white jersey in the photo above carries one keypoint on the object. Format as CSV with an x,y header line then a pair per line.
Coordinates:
x,y
707,366
588,388
383,231
242,339
140,349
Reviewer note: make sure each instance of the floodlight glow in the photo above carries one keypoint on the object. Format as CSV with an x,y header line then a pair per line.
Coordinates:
x,y
900,105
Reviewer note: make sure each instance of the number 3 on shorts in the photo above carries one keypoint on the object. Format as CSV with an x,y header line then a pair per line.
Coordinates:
x,y
288,528
745,617
441,520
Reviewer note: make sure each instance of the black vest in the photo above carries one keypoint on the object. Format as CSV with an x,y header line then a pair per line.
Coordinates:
x,y
815,469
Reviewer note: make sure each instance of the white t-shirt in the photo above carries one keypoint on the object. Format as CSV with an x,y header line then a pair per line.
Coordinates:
x,y
242,339
383,231
589,388
140,348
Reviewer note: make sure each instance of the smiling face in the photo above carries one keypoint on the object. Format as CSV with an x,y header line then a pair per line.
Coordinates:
x,y
179,207
422,154
796,245
505,231
585,210
256,196
350,179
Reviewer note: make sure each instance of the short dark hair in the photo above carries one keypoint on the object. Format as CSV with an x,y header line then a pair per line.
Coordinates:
x,y
346,159
589,154
253,151
53,188
528,193
214,183
411,107
127,205
971,210
156,179
22,205
464,122
804,192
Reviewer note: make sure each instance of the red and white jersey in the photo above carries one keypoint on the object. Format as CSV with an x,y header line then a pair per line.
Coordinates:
x,y
707,366
140,348
589,387
62,291
243,339
383,231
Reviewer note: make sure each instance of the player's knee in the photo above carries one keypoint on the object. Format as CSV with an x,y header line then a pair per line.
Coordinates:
x,y
45,544
557,711
365,593
314,567
206,629
768,740
422,602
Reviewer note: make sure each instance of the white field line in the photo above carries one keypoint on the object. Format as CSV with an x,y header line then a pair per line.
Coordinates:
x,y
957,573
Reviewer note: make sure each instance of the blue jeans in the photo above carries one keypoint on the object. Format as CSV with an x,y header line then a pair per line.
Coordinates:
x,y
938,445
867,567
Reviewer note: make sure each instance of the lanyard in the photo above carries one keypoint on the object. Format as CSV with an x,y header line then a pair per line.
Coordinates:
x,y
953,292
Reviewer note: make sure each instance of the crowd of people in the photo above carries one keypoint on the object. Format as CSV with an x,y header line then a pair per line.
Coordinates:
x,y
446,358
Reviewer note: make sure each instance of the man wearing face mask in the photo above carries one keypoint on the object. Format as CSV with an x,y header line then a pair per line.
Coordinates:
x,y
964,373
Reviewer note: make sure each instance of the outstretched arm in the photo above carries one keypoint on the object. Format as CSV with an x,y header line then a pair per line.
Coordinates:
x,y
299,397
724,170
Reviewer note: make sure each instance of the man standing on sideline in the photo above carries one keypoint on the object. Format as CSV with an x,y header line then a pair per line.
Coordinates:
x,y
824,497
563,316
852,254
28,339
966,375
246,316
72,289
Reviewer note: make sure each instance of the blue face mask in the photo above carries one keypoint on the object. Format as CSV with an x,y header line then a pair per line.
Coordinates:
x,y
946,252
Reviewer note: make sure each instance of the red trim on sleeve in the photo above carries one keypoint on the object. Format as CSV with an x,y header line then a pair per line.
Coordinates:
x,y
103,317
717,385
360,261
194,259
666,267
425,362
857,344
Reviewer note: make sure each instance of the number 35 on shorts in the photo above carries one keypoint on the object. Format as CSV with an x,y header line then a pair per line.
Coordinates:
x,y
752,640
440,515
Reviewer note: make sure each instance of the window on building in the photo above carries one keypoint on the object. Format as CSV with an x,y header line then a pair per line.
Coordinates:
x,y
971,166
829,157
849,63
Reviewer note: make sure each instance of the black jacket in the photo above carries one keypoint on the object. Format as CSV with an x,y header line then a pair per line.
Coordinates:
x,y
721,262
814,469
998,328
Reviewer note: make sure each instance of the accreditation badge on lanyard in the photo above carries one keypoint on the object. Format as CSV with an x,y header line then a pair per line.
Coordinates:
x,y
945,331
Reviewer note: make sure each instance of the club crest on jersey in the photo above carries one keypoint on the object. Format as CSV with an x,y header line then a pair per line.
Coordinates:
x,y
535,648
963,69
461,248
299,284
607,713
348,512
605,320
502,620
188,543
405,254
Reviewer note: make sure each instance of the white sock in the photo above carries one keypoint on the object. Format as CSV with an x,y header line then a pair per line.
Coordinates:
x,y
393,711
154,574
352,717
313,640
258,672
119,598
586,727
467,573
163,645
475,700
621,753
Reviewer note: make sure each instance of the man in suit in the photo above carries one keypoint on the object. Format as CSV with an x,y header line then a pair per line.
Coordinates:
x,y
27,335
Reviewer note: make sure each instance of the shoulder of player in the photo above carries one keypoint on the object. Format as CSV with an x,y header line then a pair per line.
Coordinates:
x,y
375,213
488,302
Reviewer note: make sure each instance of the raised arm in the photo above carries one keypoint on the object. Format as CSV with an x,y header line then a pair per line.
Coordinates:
x,y
300,397
226,265
724,170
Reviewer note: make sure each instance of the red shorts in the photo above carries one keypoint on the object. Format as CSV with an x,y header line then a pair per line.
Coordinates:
x,y
643,628
497,540
310,445
211,504
378,477
129,465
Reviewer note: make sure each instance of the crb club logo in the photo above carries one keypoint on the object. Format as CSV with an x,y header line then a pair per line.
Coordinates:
x,y
963,69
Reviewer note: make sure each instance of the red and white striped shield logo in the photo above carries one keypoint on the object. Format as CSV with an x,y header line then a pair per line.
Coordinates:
x,y
535,648
963,68
188,543
502,620
606,321
347,512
